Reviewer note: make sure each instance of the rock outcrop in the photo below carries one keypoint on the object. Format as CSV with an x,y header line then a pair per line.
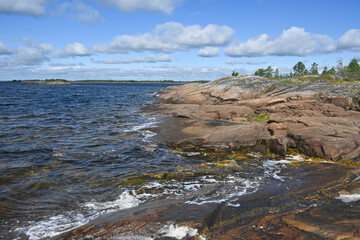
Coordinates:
x,y
309,209
320,117
317,200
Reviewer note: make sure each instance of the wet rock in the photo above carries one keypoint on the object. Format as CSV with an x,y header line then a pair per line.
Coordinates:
x,y
303,207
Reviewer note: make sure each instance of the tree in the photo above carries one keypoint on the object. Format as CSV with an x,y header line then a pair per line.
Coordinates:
x,y
354,69
260,72
325,71
314,69
234,74
340,68
299,69
332,71
276,74
268,72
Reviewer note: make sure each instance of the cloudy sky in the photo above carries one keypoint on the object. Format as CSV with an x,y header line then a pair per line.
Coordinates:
x,y
172,39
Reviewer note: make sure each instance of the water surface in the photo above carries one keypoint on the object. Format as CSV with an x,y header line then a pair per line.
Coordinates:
x,y
71,153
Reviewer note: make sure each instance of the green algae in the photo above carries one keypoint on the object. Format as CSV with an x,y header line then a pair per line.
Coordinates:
x,y
309,160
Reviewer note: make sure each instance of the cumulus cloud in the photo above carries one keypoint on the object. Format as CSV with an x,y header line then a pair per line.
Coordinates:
x,y
147,59
4,50
208,52
164,6
74,50
169,37
27,7
32,54
350,40
77,10
292,42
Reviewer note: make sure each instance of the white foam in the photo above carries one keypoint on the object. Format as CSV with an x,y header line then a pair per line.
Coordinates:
x,y
125,200
356,179
202,237
273,167
234,188
295,157
178,232
54,226
151,123
65,222
349,197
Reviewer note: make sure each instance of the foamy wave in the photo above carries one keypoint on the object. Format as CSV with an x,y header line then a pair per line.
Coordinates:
x,y
58,224
178,232
150,122
233,188
272,168
54,225
125,200
349,197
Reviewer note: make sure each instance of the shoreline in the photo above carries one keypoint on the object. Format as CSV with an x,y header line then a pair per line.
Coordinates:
x,y
315,198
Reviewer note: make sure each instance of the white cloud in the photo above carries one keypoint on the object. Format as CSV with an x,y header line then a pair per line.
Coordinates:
x,y
164,6
147,59
208,52
169,37
350,40
4,50
27,7
247,62
32,54
292,42
358,56
61,64
83,13
118,73
232,62
75,49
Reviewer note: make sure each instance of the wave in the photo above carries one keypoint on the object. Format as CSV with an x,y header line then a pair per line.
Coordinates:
x,y
68,221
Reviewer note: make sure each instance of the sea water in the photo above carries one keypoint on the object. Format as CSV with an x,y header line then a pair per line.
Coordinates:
x,y
69,154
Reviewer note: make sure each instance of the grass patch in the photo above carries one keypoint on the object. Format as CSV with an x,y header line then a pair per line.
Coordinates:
x,y
259,117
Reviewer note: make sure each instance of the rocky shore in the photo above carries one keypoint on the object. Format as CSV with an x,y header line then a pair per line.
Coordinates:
x,y
318,118
315,116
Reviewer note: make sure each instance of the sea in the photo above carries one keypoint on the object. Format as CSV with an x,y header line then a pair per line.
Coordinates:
x,y
69,154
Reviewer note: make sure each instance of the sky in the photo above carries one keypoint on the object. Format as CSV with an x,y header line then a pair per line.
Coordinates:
x,y
172,39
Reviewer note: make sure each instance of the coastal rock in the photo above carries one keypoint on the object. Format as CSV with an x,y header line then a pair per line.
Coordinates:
x,y
318,118
309,209
206,111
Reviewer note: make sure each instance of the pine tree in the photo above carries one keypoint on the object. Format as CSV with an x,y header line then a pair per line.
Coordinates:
x,y
277,74
325,71
354,69
268,72
314,69
299,69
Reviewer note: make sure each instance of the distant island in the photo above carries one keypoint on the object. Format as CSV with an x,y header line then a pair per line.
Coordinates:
x,y
60,82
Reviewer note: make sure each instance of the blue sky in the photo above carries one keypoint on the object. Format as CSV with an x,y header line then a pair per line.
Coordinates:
x,y
172,39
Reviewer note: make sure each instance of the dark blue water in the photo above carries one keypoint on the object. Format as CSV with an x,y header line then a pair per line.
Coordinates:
x,y
61,146
71,153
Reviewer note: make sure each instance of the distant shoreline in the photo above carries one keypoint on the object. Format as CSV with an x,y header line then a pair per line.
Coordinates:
x,y
36,81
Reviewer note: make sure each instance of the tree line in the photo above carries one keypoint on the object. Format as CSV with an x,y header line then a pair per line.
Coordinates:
x,y
349,72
